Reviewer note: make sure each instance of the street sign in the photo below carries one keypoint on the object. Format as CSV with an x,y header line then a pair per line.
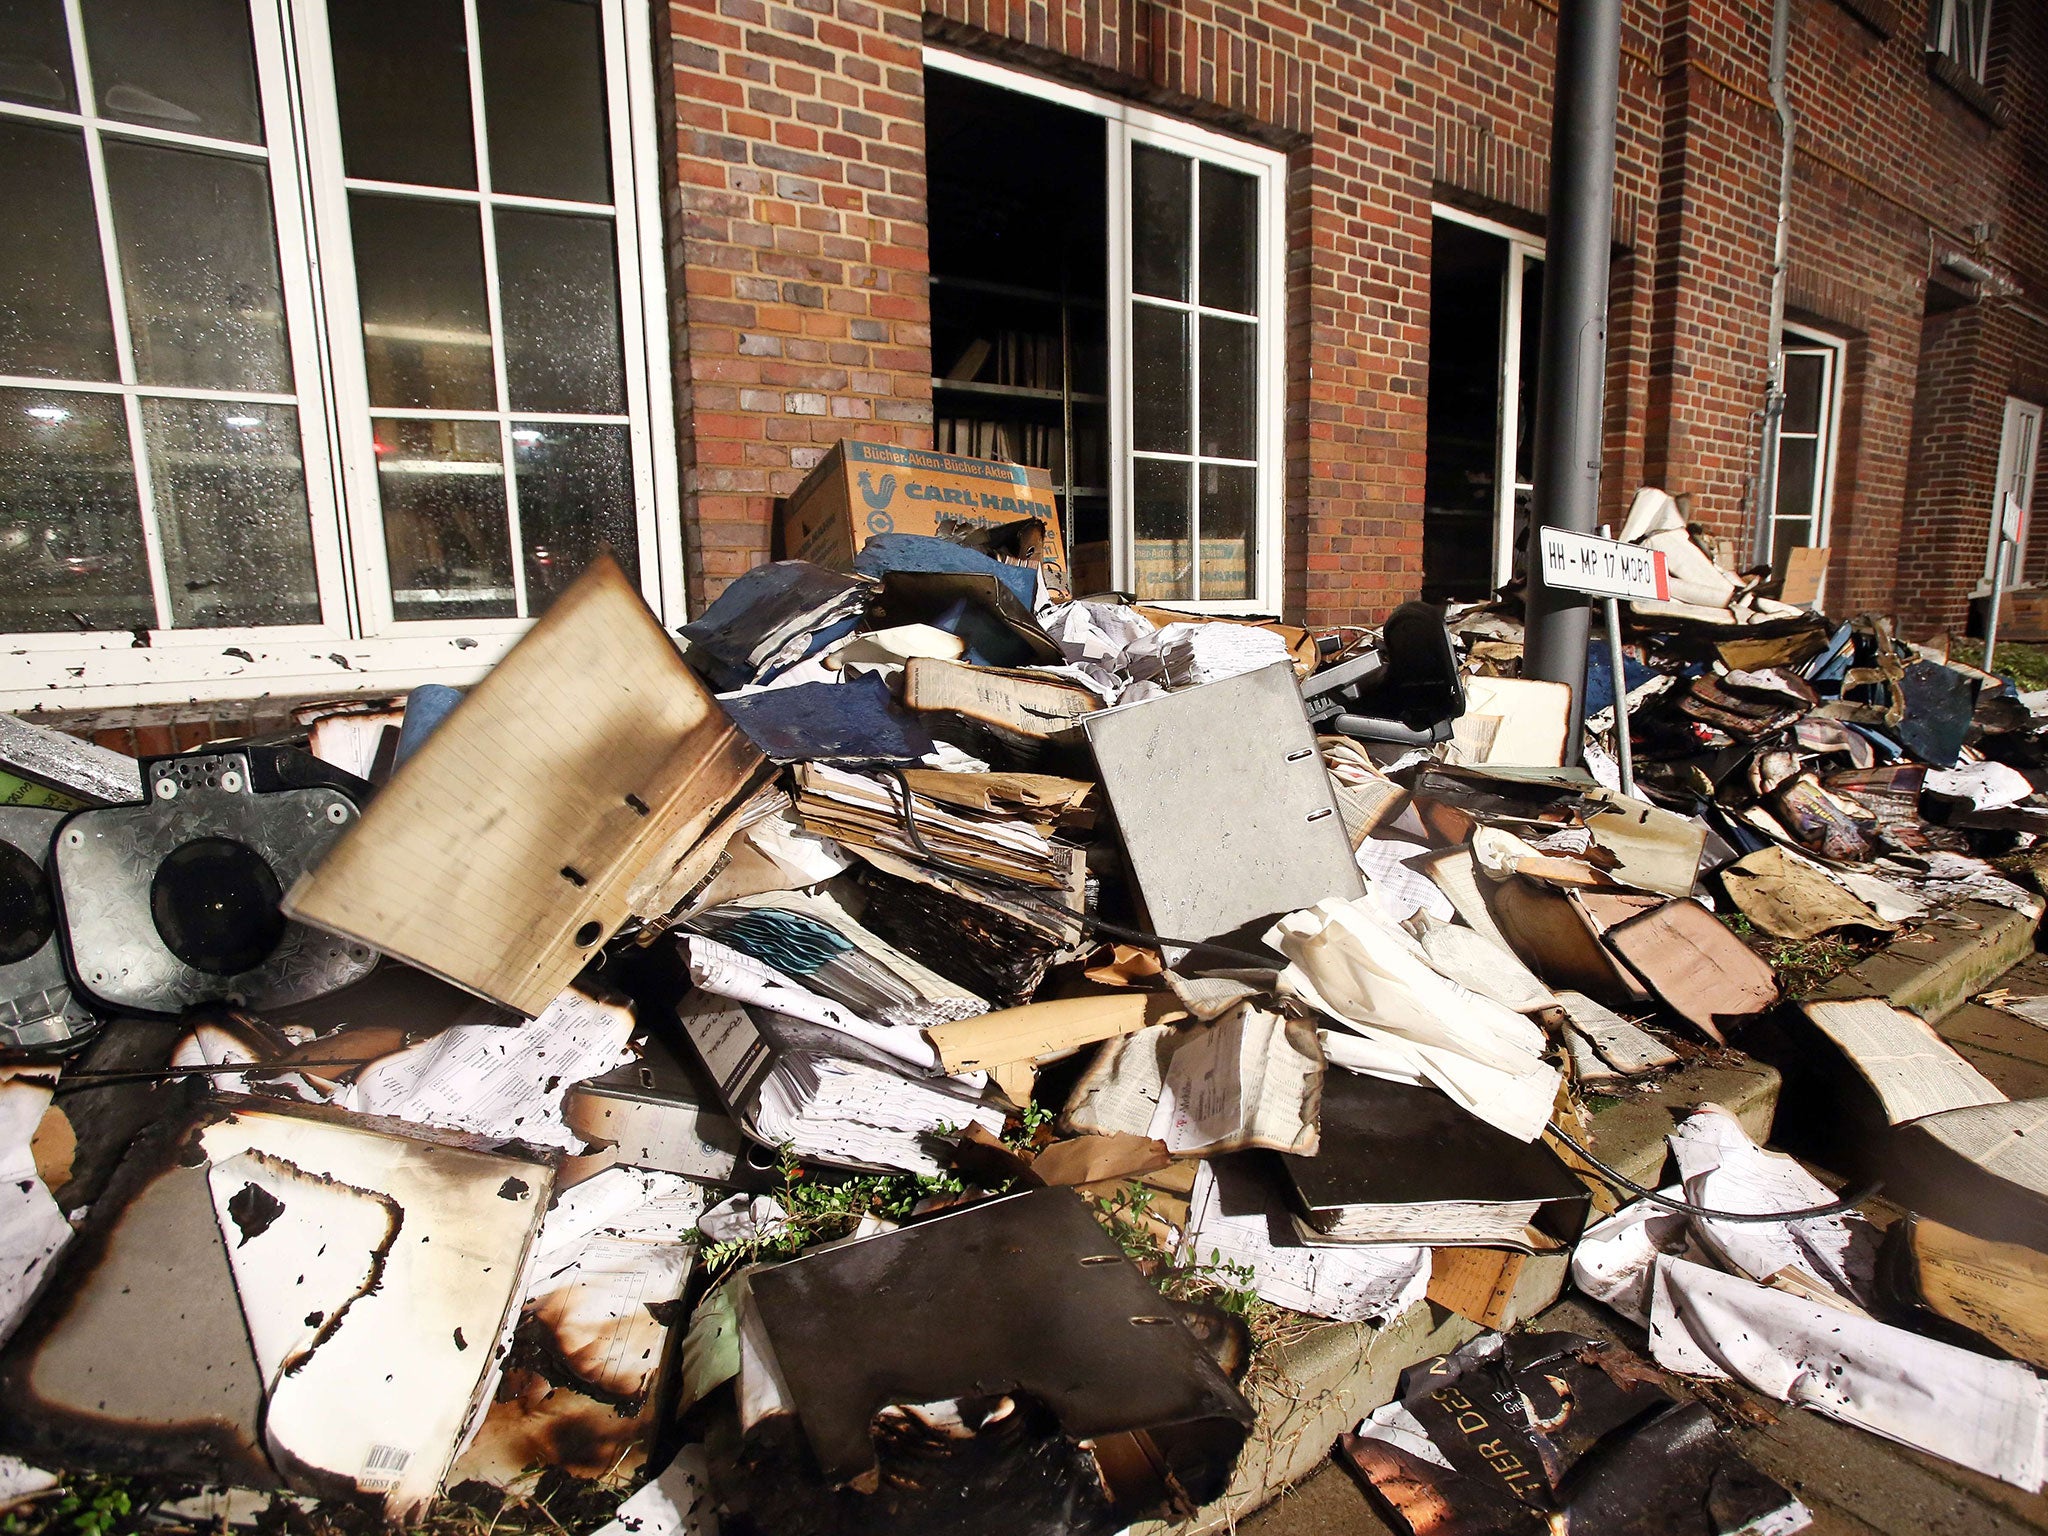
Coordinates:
x,y
1580,562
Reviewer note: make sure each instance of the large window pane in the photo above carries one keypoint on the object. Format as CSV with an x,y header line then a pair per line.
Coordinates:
x,y
183,64
35,55
1159,222
1230,386
1798,463
401,68
544,103
230,492
1786,536
575,495
1805,381
199,263
558,274
1159,379
71,551
1160,563
445,541
1230,240
53,289
1229,530
426,323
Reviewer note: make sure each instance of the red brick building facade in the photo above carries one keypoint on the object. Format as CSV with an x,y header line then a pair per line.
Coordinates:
x,y
800,239
335,350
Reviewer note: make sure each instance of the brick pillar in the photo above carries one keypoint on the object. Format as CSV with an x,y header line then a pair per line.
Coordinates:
x,y
1958,415
1716,216
799,268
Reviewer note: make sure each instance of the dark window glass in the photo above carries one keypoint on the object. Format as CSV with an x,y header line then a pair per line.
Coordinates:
x,y
1805,379
1229,530
401,68
1159,379
1791,534
1532,352
53,288
1161,561
1230,240
1467,271
442,484
1159,222
426,323
1798,463
544,106
1230,379
183,64
558,273
35,55
575,496
230,493
199,263
71,553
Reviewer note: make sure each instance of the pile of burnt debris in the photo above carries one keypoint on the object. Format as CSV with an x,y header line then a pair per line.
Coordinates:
x,y
897,1060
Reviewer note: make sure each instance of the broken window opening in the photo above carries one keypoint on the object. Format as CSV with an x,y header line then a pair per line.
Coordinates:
x,y
1486,312
1111,309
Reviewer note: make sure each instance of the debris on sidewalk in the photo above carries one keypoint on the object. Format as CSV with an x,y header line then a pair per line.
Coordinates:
x,y
1550,1431
900,1059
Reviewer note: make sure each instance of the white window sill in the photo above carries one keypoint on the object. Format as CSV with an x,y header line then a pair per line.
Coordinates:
x,y
113,673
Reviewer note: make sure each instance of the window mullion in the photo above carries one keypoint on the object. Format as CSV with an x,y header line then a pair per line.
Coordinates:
x,y
1117,219
117,312
494,304
312,378
1194,314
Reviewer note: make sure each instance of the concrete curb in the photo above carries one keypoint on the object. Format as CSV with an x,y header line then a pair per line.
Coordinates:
x,y
1936,968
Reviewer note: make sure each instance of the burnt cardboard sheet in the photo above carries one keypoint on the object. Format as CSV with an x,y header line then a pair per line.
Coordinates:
x,y
317,1295
549,807
1023,1295
1224,806
147,1277
1697,965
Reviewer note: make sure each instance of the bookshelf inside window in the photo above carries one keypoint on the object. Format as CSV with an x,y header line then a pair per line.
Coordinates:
x,y
1020,286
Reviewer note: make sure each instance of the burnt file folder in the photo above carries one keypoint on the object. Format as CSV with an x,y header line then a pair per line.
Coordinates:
x,y
568,792
1402,1163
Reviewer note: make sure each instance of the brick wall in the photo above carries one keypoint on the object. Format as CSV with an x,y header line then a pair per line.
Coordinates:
x,y
797,244
800,277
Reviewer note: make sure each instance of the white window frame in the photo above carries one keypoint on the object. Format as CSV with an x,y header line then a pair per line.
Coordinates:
x,y
1129,125
1523,248
1832,350
2019,455
1975,60
357,646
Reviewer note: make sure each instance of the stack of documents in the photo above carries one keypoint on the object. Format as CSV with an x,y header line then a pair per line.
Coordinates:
x,y
1236,1220
772,618
824,1094
864,811
811,936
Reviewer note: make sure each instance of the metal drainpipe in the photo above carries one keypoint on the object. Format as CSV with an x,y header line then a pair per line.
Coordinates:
x,y
1571,373
1774,387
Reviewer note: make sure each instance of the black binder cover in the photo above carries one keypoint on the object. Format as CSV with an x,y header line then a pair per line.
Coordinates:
x,y
1398,1144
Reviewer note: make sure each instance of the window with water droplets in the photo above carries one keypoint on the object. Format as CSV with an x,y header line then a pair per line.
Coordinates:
x,y
320,320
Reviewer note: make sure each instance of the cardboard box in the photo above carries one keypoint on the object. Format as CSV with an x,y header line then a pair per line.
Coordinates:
x,y
862,489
